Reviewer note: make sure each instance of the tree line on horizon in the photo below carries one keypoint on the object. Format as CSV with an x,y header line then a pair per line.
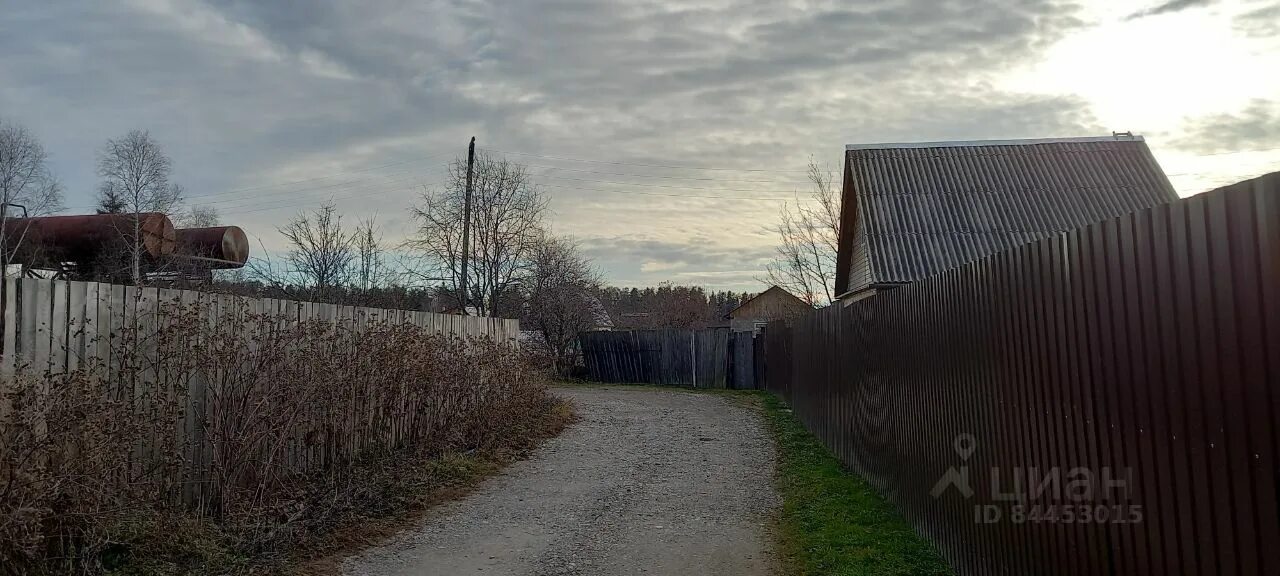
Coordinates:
x,y
517,266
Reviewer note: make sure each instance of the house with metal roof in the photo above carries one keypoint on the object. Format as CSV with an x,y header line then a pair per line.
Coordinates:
x,y
912,210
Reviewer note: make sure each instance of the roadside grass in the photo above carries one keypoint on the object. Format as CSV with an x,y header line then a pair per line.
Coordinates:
x,y
831,521
379,497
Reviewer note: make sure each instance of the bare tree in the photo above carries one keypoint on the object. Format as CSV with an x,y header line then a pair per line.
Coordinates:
x,y
321,251
506,220
25,181
560,298
205,216
805,264
135,179
370,266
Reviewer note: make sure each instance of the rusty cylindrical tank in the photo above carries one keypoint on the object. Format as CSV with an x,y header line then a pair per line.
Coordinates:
x,y
83,237
219,246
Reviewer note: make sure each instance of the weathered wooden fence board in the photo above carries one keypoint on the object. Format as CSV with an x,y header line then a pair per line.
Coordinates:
x,y
55,325
742,360
1143,350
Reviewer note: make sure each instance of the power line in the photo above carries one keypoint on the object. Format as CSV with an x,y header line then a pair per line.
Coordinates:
x,y
261,200
664,176
303,181
236,194
289,204
698,196
341,186
638,164
375,186
1237,152
269,190
371,189
665,185
327,176
1217,174
253,208
224,195
405,176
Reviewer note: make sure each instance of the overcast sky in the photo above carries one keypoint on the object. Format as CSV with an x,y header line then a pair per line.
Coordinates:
x,y
665,133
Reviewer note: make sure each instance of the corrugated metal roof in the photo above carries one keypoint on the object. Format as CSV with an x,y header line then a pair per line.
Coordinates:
x,y
924,208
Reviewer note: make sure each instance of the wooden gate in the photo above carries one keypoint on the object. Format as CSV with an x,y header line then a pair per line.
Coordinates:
x,y
697,358
742,351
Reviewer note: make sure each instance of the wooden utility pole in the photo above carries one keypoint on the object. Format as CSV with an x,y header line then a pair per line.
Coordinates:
x,y
466,221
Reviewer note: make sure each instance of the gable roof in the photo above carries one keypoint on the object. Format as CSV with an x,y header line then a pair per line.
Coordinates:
x,y
785,299
912,210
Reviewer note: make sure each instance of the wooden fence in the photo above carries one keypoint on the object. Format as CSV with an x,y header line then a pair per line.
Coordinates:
x,y
55,325
1104,401
697,358
742,360
53,328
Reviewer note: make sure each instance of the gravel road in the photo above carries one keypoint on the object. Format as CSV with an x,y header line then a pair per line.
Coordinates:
x,y
650,481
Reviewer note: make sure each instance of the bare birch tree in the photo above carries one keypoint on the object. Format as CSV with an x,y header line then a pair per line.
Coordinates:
x,y
26,185
321,252
135,179
561,300
809,232
507,212
370,261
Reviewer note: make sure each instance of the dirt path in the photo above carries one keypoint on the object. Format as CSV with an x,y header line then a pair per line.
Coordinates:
x,y
651,481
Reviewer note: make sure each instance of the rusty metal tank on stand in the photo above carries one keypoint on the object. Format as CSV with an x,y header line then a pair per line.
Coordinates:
x,y
82,238
218,247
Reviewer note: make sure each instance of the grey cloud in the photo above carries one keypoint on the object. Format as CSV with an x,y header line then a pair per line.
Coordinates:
x,y
1170,7
245,93
697,252
1260,23
632,260
1256,127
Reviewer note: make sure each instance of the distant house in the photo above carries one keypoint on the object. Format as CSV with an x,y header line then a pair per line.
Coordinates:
x,y
772,304
913,210
600,315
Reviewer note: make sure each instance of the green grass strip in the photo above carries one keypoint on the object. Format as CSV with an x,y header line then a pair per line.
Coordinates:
x,y
832,522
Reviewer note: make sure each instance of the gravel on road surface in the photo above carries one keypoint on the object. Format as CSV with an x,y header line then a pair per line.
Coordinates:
x,y
649,481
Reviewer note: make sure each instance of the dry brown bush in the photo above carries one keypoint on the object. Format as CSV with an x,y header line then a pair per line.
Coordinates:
x,y
211,433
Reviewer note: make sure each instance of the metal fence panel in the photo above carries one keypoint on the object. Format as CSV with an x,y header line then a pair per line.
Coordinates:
x,y
1130,368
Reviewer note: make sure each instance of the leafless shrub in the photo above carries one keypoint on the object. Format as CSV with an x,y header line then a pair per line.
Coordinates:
x,y
257,425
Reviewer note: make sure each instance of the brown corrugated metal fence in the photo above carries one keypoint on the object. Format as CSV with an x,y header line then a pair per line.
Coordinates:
x,y
1103,401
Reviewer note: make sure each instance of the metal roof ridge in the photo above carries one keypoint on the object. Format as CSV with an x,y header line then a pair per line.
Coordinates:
x,y
1010,142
